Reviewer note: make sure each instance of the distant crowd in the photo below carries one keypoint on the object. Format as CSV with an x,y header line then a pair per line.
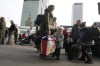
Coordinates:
x,y
6,32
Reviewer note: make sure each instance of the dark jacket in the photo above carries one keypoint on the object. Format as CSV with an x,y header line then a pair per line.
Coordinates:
x,y
2,27
12,28
75,32
88,33
48,18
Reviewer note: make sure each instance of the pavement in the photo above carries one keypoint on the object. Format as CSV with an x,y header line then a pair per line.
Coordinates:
x,y
16,55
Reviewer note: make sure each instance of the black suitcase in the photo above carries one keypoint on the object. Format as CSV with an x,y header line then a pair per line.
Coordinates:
x,y
74,52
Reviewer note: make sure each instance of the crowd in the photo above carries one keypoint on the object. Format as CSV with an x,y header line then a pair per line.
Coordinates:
x,y
8,35
78,35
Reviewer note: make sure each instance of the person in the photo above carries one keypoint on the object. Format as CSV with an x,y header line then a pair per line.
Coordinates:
x,y
75,31
30,34
83,24
23,36
12,27
7,32
59,42
11,33
2,30
48,18
30,31
94,25
37,40
65,45
6,35
16,34
20,39
53,26
86,37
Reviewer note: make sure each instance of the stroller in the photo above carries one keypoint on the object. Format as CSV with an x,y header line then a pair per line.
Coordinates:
x,y
27,40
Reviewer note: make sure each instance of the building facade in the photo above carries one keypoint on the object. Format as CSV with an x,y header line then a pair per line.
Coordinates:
x,y
28,22
32,8
77,12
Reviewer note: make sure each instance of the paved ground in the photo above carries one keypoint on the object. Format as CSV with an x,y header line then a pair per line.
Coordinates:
x,y
14,55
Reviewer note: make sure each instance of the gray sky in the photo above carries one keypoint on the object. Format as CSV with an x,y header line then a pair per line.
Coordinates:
x,y
12,9
63,11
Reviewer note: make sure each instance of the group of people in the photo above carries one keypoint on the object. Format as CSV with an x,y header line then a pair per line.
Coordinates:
x,y
49,27
8,34
78,34
84,37
28,37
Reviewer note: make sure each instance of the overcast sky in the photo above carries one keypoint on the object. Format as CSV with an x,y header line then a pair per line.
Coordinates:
x,y
63,11
12,9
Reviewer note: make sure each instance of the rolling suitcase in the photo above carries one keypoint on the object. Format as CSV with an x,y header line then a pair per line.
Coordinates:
x,y
74,52
47,45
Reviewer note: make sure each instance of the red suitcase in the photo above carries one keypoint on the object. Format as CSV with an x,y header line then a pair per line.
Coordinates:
x,y
47,45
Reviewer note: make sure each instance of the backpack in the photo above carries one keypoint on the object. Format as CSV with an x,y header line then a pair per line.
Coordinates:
x,y
93,32
39,19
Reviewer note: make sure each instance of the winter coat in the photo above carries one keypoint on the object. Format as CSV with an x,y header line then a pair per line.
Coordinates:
x,y
12,29
59,39
88,33
2,27
75,32
48,18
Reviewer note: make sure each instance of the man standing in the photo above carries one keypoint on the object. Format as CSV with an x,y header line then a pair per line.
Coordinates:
x,y
75,31
2,29
12,29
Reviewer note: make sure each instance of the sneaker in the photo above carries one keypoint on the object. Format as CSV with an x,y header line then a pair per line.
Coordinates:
x,y
89,62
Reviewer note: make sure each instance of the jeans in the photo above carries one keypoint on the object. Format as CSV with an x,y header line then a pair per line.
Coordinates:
x,y
85,53
57,52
